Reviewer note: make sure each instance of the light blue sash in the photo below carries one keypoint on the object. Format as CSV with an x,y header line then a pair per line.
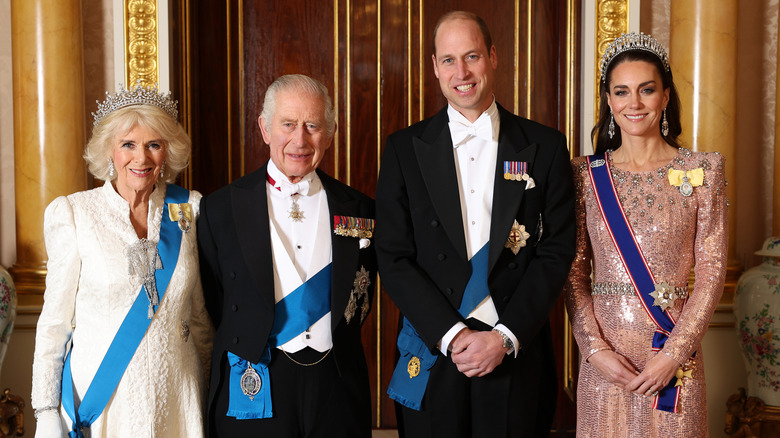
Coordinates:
x,y
130,333
411,374
293,314
636,266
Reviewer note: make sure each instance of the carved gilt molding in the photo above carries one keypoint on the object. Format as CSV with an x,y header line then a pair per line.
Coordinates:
x,y
611,22
141,41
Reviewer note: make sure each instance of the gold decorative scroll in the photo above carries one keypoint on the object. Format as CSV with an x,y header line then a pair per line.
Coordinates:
x,y
141,54
611,22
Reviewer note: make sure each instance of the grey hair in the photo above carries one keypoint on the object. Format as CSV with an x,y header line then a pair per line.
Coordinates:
x,y
303,84
100,147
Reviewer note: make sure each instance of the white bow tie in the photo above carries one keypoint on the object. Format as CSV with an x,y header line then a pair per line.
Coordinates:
x,y
461,132
299,188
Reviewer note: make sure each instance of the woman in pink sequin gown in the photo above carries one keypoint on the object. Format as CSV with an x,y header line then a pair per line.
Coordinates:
x,y
620,373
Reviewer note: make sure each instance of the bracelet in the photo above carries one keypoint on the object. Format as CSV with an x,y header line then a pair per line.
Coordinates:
x,y
38,412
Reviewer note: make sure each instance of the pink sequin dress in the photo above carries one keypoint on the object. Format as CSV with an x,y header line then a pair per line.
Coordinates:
x,y
674,231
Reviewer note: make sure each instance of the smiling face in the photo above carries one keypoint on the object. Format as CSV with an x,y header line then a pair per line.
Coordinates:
x,y
138,157
637,98
465,67
297,133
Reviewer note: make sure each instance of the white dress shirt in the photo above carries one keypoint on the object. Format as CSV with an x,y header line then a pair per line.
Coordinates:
x,y
475,146
300,248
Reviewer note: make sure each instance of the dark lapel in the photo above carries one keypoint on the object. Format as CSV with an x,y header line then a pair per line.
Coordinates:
x,y
437,166
513,145
250,213
344,249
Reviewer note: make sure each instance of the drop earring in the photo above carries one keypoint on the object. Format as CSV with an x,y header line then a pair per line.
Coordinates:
x,y
162,170
664,125
611,130
110,168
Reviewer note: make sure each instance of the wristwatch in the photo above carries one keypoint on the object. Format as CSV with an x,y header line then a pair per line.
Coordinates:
x,y
507,341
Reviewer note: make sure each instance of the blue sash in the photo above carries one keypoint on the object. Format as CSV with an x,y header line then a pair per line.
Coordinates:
x,y
130,333
411,374
293,314
636,266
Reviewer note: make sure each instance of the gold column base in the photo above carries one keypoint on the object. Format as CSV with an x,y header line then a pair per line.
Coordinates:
x,y
30,283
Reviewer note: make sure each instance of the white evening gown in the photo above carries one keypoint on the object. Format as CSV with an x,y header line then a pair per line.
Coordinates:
x,y
89,291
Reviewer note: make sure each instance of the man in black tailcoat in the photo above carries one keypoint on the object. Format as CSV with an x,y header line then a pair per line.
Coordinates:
x,y
288,268
475,237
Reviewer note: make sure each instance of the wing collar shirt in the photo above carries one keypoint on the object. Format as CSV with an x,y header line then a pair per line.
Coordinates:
x,y
300,248
475,146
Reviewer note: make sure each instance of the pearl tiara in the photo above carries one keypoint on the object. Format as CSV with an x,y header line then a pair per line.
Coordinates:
x,y
632,41
139,95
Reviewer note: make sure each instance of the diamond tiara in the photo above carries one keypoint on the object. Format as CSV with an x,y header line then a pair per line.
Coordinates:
x,y
632,41
138,95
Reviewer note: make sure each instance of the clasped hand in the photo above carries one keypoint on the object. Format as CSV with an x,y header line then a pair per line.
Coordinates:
x,y
477,353
617,370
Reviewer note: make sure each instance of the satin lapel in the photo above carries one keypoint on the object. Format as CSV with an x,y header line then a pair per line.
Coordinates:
x,y
508,195
345,250
437,166
250,214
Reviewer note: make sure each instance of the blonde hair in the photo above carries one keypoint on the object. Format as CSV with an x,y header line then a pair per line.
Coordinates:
x,y
100,147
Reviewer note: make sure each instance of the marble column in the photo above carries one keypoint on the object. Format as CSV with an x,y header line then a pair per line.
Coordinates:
x,y
49,126
704,61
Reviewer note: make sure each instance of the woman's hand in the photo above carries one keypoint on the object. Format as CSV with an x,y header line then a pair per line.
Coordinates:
x,y
613,367
48,424
656,375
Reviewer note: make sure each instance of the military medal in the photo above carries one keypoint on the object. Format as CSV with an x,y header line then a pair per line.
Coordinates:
x,y
664,295
413,368
516,171
296,214
349,226
517,238
250,382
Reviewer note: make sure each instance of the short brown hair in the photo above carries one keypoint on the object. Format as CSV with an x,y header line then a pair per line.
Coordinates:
x,y
464,15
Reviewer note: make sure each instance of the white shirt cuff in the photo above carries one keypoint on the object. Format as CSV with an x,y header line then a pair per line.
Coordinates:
x,y
447,338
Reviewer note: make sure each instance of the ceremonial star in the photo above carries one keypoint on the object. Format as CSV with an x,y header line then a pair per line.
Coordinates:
x,y
517,238
664,296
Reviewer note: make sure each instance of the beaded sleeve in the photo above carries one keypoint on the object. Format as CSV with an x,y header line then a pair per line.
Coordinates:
x,y
577,291
710,254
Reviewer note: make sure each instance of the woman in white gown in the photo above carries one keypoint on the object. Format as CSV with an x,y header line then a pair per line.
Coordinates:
x,y
106,253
